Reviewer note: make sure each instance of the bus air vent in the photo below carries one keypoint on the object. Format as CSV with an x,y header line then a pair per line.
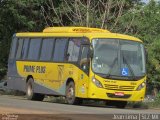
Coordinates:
x,y
116,87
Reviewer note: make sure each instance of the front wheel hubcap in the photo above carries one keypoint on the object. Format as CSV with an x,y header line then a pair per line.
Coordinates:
x,y
29,90
70,92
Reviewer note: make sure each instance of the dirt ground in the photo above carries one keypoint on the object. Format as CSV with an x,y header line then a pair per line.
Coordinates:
x,y
24,114
6,110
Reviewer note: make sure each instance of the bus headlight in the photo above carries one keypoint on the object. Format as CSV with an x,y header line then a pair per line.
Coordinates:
x,y
97,82
142,85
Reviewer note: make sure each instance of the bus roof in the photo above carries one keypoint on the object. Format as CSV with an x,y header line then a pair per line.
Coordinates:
x,y
76,32
73,30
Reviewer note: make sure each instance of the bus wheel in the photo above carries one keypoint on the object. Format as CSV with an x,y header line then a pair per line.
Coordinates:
x,y
30,92
70,95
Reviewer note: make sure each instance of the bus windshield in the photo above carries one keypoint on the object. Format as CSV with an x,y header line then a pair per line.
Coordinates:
x,y
118,59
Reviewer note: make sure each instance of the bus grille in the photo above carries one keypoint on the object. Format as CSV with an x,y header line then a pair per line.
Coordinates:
x,y
116,87
115,96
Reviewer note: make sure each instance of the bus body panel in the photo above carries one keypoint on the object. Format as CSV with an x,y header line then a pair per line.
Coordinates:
x,y
50,77
111,87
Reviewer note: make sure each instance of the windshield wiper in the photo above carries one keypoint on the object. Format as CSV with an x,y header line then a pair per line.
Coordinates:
x,y
131,70
111,68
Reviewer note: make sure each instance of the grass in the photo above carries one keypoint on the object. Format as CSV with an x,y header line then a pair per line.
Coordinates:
x,y
155,103
12,92
140,105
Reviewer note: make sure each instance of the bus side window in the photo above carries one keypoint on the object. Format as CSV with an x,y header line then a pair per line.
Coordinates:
x,y
25,48
47,49
84,60
73,50
13,48
19,49
60,48
34,48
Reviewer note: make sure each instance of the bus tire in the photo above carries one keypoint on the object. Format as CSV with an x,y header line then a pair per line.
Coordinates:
x,y
30,92
70,95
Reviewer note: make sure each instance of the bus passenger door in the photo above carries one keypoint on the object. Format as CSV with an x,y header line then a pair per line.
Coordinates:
x,y
60,73
84,72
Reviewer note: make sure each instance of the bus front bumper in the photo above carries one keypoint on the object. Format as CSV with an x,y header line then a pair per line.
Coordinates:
x,y
101,93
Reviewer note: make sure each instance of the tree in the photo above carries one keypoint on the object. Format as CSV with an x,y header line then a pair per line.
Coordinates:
x,y
96,13
17,16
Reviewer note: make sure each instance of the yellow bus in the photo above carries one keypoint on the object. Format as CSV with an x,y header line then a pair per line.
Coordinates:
x,y
78,63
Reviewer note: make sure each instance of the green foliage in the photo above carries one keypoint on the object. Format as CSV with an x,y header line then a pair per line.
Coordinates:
x,y
135,18
90,13
17,16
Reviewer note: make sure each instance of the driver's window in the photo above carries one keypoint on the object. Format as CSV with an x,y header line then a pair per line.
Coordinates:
x,y
84,61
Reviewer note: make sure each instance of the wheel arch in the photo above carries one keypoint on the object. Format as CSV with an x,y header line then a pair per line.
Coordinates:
x,y
69,80
28,77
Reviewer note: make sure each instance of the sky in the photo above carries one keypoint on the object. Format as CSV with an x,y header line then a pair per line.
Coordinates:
x,y
146,1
